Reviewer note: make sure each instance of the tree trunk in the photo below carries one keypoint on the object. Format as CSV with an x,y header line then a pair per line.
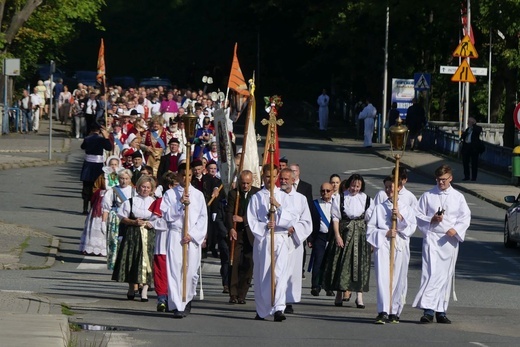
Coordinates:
x,y
497,93
19,20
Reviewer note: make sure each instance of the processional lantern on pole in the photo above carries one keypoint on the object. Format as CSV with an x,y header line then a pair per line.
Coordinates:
x,y
190,121
275,102
398,139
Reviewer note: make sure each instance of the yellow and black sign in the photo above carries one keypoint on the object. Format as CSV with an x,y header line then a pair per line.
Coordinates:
x,y
465,49
464,74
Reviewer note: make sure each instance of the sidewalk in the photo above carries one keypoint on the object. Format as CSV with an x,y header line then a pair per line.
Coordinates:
x,y
44,324
42,321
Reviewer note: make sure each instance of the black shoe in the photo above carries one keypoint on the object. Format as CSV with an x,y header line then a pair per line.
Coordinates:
x,y
315,292
178,314
361,306
130,297
161,307
427,318
381,318
393,319
187,309
214,253
329,293
144,299
348,297
257,317
303,274
241,301
288,309
442,319
279,316
465,179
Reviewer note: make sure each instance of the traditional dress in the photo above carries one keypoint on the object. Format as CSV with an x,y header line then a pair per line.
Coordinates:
x,y
439,253
377,227
93,238
348,268
135,255
112,200
293,212
173,213
157,141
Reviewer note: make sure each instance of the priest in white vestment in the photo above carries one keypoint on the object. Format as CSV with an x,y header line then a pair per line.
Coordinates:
x,y
292,222
173,211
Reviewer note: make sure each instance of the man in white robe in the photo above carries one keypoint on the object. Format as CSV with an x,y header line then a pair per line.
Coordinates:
x,y
173,211
443,216
323,111
292,218
302,223
379,235
368,115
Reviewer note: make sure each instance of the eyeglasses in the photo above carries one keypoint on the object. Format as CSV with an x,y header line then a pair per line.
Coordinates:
x,y
438,179
326,190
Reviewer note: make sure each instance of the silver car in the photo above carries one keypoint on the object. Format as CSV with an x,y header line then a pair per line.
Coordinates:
x,y
512,222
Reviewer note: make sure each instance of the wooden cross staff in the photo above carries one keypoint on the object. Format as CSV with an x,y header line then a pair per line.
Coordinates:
x,y
271,138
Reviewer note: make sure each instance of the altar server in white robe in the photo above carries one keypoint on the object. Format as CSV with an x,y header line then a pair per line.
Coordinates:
x,y
443,216
292,222
302,229
379,235
173,210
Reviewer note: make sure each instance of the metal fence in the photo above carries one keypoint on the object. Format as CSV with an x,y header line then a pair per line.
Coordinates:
x,y
496,157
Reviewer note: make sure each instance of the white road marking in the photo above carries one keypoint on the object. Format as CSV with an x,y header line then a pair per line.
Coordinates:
x,y
93,263
479,344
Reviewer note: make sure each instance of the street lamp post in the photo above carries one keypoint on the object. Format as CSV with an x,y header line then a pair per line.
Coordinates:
x,y
190,120
206,80
398,138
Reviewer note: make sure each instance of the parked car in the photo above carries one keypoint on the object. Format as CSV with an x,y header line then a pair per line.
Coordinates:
x,y
512,222
155,82
123,81
88,78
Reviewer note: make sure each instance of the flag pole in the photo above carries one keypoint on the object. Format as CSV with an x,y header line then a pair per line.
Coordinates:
x,y
272,123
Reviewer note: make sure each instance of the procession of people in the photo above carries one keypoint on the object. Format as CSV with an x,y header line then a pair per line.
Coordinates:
x,y
156,214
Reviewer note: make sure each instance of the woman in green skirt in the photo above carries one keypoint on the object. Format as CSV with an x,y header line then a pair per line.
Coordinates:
x,y
135,255
346,266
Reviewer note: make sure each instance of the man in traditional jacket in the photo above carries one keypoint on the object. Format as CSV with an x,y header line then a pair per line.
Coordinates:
x,y
291,223
443,216
173,208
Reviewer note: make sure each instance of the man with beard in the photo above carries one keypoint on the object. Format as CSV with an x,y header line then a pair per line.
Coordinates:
x,y
292,223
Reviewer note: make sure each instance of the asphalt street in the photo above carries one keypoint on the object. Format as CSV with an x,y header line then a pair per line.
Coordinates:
x,y
487,281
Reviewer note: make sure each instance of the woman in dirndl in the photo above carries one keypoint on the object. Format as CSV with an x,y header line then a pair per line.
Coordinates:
x,y
134,260
112,200
93,237
346,266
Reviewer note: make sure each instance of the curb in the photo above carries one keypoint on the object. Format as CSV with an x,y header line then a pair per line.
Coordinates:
x,y
53,250
33,163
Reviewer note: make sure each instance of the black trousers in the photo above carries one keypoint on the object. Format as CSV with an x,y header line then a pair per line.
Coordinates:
x,y
318,252
470,155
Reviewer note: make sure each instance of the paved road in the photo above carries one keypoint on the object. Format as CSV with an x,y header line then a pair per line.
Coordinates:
x,y
487,274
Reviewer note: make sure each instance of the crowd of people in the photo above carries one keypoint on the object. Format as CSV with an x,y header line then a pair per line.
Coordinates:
x,y
155,220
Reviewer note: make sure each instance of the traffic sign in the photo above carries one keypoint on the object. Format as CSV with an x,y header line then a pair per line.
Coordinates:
x,y
516,116
450,70
465,49
422,81
463,74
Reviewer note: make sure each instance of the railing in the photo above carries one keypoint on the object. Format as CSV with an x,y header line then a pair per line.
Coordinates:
x,y
496,157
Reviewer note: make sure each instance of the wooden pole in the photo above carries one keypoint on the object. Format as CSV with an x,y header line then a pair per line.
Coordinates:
x,y
186,223
272,211
394,227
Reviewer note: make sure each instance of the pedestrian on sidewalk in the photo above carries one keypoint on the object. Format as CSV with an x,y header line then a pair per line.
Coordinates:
x,y
472,148
26,107
415,121
443,217
323,112
368,115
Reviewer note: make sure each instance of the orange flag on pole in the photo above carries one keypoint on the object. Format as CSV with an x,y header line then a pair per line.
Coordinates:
x,y
236,78
101,63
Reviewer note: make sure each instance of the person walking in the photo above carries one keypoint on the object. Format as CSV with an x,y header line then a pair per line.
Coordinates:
x,y
472,147
443,217
415,121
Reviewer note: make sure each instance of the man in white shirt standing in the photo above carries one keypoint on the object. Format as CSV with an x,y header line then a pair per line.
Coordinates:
x,y
323,112
36,103
368,115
